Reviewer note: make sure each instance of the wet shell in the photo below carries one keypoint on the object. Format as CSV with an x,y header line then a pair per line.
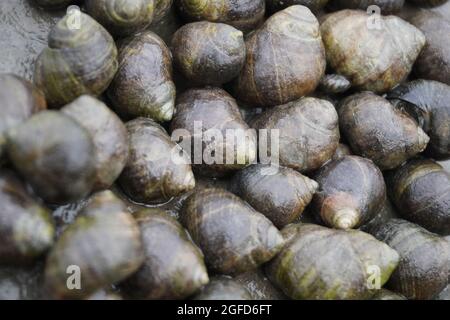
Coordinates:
x,y
122,17
103,247
420,190
307,131
377,131
210,128
143,86
109,136
223,288
173,266
373,57
55,154
233,236
321,263
280,193
343,202
244,15
314,5
77,61
157,168
384,7
26,228
285,59
208,53
423,269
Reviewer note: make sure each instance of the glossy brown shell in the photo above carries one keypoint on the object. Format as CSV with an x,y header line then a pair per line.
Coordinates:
x,y
143,85
285,59
377,131
373,58
19,100
352,191
423,269
308,132
207,113
434,61
244,15
77,61
26,227
173,266
109,136
428,102
122,17
328,264
55,154
153,173
223,288
104,244
233,236
421,191
280,193
208,53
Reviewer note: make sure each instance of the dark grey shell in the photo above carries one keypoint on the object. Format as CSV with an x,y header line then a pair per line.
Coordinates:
x,y
157,168
109,136
386,7
385,294
280,193
77,61
308,133
277,5
428,102
423,269
55,154
53,4
143,85
233,236
351,193
321,263
26,227
202,122
19,99
103,242
173,266
378,131
223,288
208,53
420,190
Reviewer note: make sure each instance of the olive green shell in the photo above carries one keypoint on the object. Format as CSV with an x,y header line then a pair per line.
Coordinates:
x,y
77,61
384,294
373,57
308,132
423,269
334,83
280,193
378,131
420,189
26,228
386,7
244,15
277,5
223,288
428,3
342,151
434,61
55,154
285,59
321,263
208,53
428,102
157,169
103,242
122,17
209,115
19,99
162,8
109,136
143,86
352,191
173,266
53,4
233,236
